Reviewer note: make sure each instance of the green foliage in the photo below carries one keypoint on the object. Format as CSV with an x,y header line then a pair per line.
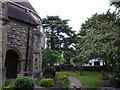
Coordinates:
x,y
105,76
90,79
1,87
58,33
49,72
63,80
53,56
80,67
50,56
24,82
10,87
68,55
59,38
48,82
101,39
62,73
64,67
117,71
116,3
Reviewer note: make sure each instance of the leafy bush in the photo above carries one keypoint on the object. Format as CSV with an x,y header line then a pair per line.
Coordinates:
x,y
66,67
58,68
48,82
105,76
49,72
63,80
62,73
10,87
24,82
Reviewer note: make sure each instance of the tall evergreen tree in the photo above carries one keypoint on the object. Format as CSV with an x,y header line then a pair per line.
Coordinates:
x,y
116,3
58,33
59,39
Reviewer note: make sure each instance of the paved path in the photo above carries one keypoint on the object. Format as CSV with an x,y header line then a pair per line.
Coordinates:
x,y
74,83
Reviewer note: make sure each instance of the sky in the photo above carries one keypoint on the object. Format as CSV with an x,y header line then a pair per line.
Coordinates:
x,y
77,11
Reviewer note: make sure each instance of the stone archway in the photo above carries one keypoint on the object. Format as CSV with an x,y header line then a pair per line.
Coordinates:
x,y
12,63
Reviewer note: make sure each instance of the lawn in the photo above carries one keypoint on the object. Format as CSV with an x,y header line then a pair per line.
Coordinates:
x,y
89,79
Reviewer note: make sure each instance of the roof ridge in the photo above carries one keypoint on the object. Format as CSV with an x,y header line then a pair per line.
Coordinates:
x,y
23,7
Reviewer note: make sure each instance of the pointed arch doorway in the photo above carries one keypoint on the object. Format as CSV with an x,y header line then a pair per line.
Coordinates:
x,y
12,63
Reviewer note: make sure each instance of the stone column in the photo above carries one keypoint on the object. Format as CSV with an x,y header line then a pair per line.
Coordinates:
x,y
3,15
1,28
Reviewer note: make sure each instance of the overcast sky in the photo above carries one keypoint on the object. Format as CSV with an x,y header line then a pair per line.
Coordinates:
x,y
77,11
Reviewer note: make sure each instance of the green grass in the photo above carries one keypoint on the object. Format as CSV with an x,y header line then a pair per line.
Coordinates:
x,y
89,79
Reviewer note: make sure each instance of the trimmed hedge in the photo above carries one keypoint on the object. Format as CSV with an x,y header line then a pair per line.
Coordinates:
x,y
24,82
62,73
68,67
48,82
64,67
49,72
94,68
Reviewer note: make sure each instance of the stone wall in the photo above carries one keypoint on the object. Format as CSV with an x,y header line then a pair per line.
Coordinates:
x,y
17,39
1,28
37,61
3,22
13,35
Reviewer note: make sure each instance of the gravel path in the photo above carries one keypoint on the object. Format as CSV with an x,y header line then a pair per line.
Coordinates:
x,y
74,83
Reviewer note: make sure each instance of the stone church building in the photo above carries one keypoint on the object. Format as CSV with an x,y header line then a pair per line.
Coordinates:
x,y
21,40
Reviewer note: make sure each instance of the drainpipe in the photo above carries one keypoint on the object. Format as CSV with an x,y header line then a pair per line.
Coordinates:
x,y
27,46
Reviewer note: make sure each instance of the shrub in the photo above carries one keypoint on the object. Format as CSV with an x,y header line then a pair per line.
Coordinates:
x,y
58,68
48,82
62,73
66,67
24,82
105,75
10,87
63,80
49,72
